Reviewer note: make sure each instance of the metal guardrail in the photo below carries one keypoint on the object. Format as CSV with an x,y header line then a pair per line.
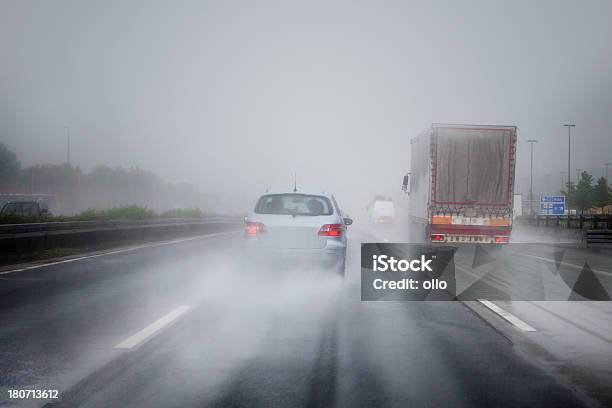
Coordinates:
x,y
52,228
599,236
24,239
585,221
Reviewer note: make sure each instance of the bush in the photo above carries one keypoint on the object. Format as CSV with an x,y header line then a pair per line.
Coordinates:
x,y
129,212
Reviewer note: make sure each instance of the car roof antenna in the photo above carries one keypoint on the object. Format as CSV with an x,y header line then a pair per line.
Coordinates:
x,y
294,182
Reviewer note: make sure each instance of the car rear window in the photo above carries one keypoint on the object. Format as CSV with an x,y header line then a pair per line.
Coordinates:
x,y
294,204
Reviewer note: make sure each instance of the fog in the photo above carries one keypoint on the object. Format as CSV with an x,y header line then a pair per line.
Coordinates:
x,y
234,97
236,308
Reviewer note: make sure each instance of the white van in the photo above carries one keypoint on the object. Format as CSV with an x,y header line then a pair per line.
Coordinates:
x,y
382,210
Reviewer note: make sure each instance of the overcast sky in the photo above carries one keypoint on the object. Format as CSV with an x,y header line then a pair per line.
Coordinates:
x,y
236,96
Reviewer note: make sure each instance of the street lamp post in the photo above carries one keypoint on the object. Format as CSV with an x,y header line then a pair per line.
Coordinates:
x,y
531,142
67,144
562,180
569,149
607,165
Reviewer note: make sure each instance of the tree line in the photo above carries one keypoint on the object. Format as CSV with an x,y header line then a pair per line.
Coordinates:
x,y
70,190
587,194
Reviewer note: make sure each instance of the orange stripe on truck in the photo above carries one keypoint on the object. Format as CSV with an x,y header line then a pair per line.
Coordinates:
x,y
441,220
499,222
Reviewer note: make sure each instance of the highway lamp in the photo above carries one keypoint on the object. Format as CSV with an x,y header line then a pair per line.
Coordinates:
x,y
562,180
67,144
531,142
569,149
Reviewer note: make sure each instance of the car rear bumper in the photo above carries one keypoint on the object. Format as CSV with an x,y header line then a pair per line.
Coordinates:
x,y
469,234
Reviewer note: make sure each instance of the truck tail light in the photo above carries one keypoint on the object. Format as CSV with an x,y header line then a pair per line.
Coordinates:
x,y
255,228
331,230
437,237
502,239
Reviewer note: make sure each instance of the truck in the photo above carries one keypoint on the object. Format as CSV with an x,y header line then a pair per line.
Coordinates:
x,y
461,184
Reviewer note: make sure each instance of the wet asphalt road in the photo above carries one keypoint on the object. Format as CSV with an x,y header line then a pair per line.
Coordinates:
x,y
253,338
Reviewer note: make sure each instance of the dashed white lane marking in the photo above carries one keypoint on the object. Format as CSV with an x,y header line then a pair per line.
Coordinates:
x,y
152,329
118,251
507,316
565,263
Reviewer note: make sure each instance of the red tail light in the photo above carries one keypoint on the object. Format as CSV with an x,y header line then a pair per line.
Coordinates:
x,y
331,230
502,239
437,237
254,228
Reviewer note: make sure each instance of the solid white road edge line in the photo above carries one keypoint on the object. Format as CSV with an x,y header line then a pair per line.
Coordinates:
x,y
118,251
152,329
507,316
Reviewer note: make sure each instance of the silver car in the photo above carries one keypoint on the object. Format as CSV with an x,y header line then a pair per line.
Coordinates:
x,y
298,226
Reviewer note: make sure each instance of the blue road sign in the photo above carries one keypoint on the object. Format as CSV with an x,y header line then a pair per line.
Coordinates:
x,y
552,205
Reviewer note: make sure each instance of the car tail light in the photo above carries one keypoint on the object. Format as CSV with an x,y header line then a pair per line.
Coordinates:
x,y
255,228
331,230
437,237
502,239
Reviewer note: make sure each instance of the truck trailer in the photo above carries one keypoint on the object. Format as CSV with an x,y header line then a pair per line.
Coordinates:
x,y
461,184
